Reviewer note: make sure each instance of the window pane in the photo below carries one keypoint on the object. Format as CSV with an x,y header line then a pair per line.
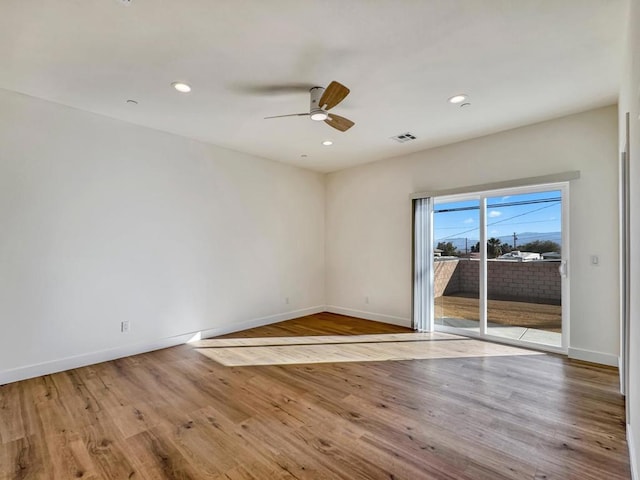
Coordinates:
x,y
456,264
524,238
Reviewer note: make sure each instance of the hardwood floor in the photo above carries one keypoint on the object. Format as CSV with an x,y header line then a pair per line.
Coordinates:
x,y
238,352
176,414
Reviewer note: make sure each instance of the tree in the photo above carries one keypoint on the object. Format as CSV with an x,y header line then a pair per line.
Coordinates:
x,y
493,247
540,246
448,249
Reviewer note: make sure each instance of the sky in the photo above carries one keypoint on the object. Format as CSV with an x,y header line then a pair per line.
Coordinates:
x,y
530,212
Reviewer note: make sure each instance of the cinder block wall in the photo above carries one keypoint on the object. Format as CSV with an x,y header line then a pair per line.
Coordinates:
x,y
446,277
469,276
525,281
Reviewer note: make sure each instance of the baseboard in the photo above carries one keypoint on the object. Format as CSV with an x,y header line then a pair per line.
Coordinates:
x,y
259,322
378,317
77,361
621,375
68,363
593,357
633,461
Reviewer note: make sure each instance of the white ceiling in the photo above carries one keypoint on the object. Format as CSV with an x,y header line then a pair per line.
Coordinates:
x,y
521,61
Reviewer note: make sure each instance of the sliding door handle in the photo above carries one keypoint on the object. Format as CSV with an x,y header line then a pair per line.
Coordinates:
x,y
563,269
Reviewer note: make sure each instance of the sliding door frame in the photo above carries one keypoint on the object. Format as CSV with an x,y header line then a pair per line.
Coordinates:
x,y
481,196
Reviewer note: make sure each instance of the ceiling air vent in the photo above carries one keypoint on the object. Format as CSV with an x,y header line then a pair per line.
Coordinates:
x,y
404,137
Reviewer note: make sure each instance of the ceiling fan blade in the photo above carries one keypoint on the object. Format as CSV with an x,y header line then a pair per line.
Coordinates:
x,y
289,115
339,123
333,95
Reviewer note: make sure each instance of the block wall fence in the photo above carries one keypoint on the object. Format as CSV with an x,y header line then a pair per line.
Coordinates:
x,y
534,281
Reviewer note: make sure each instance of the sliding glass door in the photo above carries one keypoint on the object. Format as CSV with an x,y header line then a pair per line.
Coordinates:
x,y
499,265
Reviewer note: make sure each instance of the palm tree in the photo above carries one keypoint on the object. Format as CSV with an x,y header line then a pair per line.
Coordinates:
x,y
493,247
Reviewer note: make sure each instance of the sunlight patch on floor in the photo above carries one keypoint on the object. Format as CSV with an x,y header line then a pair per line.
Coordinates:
x,y
349,348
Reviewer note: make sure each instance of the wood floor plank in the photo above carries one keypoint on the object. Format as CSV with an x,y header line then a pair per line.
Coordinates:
x,y
176,414
157,458
11,425
70,457
25,458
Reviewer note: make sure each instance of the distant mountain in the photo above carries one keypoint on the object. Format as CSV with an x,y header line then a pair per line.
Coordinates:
x,y
522,238
526,237
460,243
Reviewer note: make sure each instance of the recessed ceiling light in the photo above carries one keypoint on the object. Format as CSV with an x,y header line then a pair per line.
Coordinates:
x,y
181,87
458,98
326,143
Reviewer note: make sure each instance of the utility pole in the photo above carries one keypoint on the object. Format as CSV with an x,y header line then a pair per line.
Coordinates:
x,y
514,240
466,249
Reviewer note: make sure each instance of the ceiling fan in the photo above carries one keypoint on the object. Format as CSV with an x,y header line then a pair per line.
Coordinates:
x,y
323,99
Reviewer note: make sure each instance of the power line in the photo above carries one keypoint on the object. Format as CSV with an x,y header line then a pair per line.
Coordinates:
x,y
498,205
498,221
514,223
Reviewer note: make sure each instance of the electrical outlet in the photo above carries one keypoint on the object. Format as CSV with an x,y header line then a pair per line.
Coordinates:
x,y
124,326
286,300
366,299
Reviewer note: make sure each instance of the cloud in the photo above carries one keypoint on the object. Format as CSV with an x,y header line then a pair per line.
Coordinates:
x,y
506,198
494,213
469,221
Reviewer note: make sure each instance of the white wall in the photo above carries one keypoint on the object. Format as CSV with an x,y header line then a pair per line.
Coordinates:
x,y
103,221
630,102
368,219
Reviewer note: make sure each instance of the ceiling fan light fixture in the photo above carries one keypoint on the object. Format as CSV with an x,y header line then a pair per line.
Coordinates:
x,y
319,116
461,97
181,87
321,100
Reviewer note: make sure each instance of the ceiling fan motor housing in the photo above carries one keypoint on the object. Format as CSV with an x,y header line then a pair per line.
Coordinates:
x,y
315,110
